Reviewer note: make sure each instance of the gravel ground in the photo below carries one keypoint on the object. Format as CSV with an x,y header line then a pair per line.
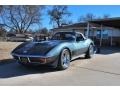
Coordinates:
x,y
6,48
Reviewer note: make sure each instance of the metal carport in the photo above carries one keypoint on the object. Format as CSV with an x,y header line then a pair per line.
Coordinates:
x,y
109,22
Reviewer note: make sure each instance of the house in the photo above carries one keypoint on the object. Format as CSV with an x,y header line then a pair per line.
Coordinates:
x,y
104,32
18,37
40,37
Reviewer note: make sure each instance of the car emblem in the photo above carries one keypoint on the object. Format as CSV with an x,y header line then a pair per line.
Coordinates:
x,y
24,51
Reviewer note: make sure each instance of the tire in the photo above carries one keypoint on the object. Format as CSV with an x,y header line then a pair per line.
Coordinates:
x,y
64,60
90,52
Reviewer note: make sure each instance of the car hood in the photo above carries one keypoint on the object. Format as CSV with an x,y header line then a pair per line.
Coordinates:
x,y
37,48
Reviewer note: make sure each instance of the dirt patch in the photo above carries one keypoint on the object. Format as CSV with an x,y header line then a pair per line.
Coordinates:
x,y
6,48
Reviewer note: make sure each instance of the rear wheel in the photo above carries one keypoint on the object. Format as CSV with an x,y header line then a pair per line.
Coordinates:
x,y
64,60
90,52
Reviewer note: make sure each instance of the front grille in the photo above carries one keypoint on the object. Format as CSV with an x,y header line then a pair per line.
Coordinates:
x,y
24,59
30,59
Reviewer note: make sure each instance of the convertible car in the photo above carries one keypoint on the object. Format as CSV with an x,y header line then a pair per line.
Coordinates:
x,y
58,51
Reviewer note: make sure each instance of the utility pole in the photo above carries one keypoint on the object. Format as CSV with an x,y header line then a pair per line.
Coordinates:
x,y
88,29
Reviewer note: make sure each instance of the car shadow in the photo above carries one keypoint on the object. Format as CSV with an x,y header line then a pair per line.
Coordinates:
x,y
13,69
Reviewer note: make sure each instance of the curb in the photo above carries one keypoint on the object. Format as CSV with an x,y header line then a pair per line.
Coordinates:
x,y
7,61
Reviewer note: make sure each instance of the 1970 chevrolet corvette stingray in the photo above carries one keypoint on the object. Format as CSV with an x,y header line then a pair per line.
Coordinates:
x,y
58,51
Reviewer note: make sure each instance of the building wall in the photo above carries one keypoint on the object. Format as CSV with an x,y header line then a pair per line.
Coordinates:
x,y
112,39
115,33
111,32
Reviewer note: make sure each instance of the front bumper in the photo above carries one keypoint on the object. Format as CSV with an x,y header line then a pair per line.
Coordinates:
x,y
33,59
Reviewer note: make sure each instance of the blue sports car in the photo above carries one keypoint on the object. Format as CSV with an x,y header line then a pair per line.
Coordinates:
x,y
58,51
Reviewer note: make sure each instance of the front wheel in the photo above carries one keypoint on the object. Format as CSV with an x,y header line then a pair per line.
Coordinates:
x,y
64,60
90,52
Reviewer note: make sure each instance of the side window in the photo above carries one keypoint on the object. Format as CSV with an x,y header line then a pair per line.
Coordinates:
x,y
79,37
98,34
104,34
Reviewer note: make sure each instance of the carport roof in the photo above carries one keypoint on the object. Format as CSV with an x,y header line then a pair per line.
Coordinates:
x,y
82,24
110,22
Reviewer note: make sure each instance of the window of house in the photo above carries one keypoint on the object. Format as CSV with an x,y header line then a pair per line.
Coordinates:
x,y
104,34
98,35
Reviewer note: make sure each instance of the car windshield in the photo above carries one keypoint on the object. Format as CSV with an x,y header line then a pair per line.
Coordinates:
x,y
64,36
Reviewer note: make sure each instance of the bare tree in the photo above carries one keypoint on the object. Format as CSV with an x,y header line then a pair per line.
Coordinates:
x,y
44,31
2,31
1,8
57,15
21,18
87,17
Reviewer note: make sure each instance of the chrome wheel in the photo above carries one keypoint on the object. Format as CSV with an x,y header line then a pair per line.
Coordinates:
x,y
64,60
65,57
91,50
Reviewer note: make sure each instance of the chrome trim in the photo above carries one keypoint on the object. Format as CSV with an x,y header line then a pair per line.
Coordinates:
x,y
28,59
44,62
29,55
19,58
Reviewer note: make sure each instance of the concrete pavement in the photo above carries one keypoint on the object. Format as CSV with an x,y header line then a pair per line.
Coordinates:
x,y
102,69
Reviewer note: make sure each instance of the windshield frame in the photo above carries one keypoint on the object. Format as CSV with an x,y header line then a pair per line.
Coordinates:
x,y
63,33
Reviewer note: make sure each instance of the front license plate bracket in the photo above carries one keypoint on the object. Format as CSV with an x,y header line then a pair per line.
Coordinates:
x,y
24,59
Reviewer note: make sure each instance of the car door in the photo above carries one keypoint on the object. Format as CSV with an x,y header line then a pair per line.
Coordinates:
x,y
81,44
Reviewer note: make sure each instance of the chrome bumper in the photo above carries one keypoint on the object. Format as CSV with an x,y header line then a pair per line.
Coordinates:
x,y
18,57
28,55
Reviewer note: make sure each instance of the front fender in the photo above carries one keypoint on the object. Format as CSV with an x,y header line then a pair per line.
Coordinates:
x,y
19,46
57,49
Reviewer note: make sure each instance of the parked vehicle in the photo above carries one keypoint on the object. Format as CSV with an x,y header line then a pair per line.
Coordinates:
x,y
58,51
19,37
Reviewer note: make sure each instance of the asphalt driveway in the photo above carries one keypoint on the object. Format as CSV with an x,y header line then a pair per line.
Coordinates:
x,y
102,69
